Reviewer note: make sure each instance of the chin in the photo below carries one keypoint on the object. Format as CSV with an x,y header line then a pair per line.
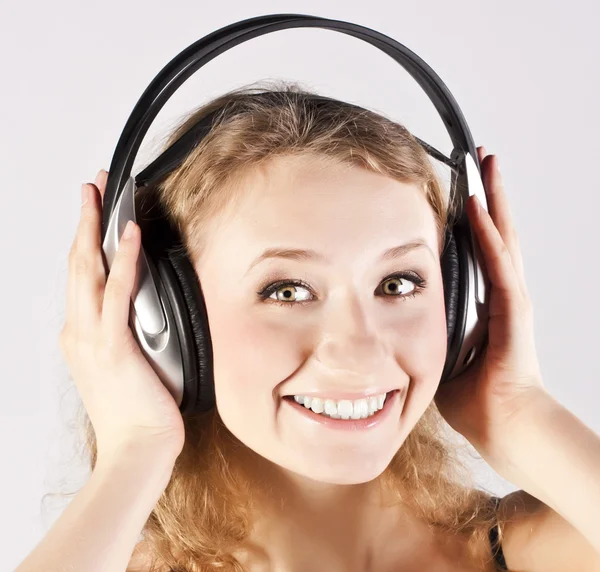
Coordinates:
x,y
348,467
354,476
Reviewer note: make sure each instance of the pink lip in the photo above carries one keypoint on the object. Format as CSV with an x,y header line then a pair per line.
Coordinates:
x,y
392,403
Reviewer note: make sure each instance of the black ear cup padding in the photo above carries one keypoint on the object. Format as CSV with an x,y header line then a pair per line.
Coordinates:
x,y
202,385
450,275
187,346
164,249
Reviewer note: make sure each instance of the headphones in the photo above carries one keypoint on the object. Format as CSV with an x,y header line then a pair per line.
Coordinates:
x,y
168,314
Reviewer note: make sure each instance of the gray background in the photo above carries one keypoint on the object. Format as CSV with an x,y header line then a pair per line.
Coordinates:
x,y
525,75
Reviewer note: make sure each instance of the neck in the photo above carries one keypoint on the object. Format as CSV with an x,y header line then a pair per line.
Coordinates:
x,y
304,524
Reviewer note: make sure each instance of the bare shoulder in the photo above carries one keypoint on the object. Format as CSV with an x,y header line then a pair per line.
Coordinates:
x,y
537,539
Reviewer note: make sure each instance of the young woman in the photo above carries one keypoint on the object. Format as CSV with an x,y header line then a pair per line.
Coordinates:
x,y
316,234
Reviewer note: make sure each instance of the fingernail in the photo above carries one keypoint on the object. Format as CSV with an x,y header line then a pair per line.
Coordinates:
x,y
84,194
128,232
476,206
497,164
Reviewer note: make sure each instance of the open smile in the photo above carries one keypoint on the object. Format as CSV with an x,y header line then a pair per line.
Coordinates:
x,y
391,403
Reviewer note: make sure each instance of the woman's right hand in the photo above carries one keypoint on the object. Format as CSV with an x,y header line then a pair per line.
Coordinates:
x,y
126,402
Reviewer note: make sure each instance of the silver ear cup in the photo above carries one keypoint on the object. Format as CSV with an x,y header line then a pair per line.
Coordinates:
x,y
151,316
472,311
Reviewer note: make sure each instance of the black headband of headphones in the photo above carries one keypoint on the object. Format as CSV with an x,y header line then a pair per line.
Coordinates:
x,y
172,157
204,50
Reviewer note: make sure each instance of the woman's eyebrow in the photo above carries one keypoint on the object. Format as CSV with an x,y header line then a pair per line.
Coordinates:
x,y
303,254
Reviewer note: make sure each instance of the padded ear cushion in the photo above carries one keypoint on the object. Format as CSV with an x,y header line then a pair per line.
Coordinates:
x,y
450,275
199,388
164,249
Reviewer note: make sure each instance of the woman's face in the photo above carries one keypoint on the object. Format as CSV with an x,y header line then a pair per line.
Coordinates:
x,y
348,332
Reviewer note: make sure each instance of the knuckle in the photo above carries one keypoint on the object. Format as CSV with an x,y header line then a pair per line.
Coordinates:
x,y
81,265
116,288
70,344
524,307
503,254
88,213
104,352
111,351
125,250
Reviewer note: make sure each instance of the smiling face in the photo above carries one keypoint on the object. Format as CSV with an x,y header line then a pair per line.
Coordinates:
x,y
350,330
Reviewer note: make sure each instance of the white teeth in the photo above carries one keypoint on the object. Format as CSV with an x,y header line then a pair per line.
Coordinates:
x,y
344,408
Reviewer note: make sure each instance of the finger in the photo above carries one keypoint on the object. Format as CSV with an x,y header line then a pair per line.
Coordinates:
x,y
119,286
71,297
74,269
88,271
500,213
100,182
499,265
481,153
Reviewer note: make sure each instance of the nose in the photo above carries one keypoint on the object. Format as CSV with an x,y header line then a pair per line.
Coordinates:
x,y
350,342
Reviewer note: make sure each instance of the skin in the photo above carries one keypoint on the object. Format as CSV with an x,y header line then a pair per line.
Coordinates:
x,y
353,335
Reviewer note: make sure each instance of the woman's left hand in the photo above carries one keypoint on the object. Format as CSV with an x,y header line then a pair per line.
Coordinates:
x,y
483,403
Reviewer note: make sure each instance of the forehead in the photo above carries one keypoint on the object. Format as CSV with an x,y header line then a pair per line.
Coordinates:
x,y
311,202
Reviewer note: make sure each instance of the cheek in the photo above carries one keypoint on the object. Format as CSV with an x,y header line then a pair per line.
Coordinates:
x,y
252,355
421,341
420,350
